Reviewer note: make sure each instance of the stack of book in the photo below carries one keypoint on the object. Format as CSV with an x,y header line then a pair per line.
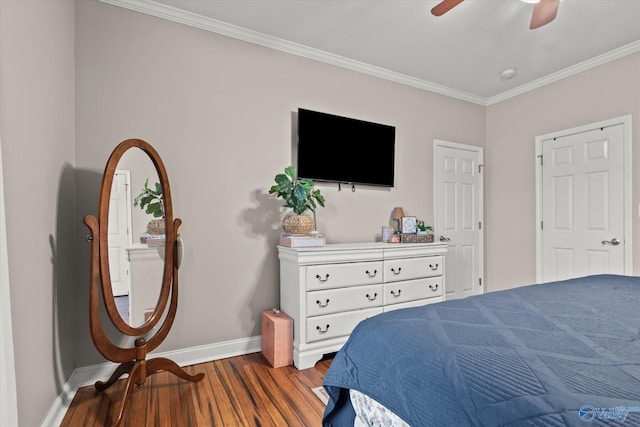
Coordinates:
x,y
152,240
302,240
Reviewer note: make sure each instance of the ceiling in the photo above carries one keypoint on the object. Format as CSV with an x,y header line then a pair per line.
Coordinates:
x,y
460,54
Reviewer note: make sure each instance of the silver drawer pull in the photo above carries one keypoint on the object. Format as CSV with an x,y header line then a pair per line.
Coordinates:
x,y
393,270
369,274
396,294
321,304
326,277
433,288
433,267
322,331
374,297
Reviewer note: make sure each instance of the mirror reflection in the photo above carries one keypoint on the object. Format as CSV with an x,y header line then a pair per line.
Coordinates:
x,y
136,230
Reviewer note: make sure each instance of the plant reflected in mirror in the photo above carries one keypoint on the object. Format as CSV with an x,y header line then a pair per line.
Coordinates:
x,y
151,200
136,229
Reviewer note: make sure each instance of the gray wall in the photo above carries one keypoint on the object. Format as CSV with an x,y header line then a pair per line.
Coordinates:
x,y
37,123
608,91
220,113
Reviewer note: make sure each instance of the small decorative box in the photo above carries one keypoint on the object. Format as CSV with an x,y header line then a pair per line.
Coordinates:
x,y
305,241
416,238
277,338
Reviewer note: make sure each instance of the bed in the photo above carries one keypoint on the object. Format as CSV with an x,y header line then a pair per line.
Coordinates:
x,y
554,354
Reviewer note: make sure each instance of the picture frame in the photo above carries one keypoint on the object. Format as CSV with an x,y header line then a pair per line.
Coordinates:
x,y
408,224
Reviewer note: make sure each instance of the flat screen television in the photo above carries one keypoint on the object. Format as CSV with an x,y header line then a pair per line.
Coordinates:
x,y
345,150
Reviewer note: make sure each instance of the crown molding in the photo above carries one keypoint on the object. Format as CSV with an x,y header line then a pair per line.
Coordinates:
x,y
170,13
618,53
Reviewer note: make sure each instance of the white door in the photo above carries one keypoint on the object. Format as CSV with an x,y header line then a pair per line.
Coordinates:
x,y
119,237
458,201
582,220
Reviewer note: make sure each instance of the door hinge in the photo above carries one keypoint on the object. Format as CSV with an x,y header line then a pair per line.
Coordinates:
x,y
541,161
541,225
480,166
480,281
479,225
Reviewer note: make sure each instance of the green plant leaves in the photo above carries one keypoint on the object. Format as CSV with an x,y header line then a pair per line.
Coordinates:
x,y
298,193
151,200
291,172
155,209
423,227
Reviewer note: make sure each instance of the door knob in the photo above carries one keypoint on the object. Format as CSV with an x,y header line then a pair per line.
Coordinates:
x,y
444,239
615,242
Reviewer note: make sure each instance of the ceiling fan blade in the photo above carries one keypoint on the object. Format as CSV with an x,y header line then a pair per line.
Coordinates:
x,y
544,12
444,6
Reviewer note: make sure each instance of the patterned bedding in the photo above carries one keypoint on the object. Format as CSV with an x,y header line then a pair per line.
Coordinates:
x,y
556,354
371,413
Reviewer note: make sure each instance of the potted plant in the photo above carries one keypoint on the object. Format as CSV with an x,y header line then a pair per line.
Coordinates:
x,y
422,228
150,200
299,195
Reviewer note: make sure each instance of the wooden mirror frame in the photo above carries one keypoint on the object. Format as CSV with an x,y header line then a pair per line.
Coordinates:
x,y
133,359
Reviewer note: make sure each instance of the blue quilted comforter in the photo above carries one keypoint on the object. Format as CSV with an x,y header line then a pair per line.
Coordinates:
x,y
555,354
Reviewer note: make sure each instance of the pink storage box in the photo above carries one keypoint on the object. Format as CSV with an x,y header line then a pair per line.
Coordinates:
x,y
277,338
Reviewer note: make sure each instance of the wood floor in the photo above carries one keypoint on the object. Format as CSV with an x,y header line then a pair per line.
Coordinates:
x,y
239,391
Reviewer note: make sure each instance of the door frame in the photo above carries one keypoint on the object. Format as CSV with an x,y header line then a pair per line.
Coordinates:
x,y
627,193
480,152
129,222
8,390
127,174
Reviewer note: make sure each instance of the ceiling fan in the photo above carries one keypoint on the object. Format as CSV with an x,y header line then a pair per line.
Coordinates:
x,y
543,12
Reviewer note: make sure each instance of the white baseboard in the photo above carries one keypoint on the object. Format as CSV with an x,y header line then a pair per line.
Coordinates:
x,y
87,375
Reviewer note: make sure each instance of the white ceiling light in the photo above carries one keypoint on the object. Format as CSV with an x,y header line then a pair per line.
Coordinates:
x,y
530,1
508,73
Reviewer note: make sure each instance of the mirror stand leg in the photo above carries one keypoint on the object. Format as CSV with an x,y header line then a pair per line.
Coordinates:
x,y
139,371
124,368
163,364
131,380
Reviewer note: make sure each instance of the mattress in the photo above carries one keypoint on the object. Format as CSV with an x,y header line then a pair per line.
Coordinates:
x,y
554,354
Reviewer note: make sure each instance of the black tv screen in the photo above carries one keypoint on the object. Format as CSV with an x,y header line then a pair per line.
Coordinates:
x,y
345,150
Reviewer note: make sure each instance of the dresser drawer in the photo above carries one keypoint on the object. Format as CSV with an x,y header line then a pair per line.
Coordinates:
x,y
337,325
340,275
410,290
413,268
343,299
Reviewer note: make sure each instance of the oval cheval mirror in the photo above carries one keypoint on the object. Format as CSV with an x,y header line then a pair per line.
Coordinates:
x,y
155,292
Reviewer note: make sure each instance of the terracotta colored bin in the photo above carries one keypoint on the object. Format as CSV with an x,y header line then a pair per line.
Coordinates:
x,y
277,338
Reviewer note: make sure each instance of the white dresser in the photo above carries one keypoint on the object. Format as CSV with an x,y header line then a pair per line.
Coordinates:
x,y
329,290
146,280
